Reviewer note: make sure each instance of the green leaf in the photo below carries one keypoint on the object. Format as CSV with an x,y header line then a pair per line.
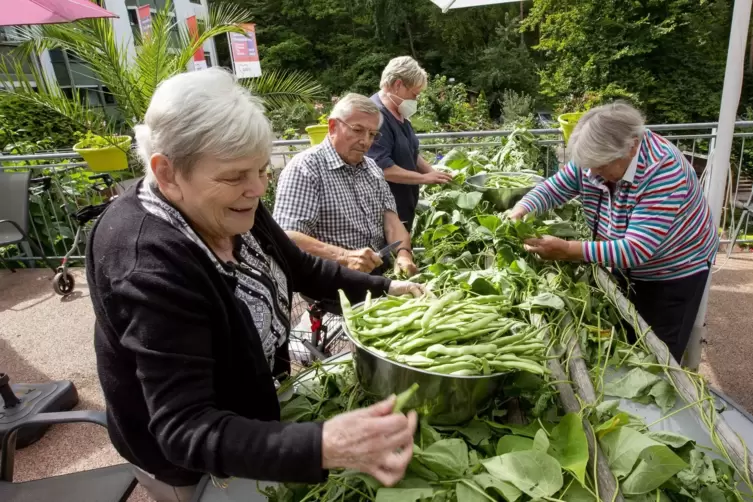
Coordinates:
x,y
631,385
402,494
447,458
469,200
548,300
569,446
576,493
623,447
490,221
658,464
455,159
429,435
508,444
670,438
299,409
476,431
701,471
468,491
541,441
443,231
411,482
533,472
506,490
712,494
664,395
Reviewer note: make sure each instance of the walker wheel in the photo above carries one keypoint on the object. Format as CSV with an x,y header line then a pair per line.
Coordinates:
x,y
63,283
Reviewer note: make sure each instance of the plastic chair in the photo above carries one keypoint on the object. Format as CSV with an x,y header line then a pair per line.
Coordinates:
x,y
14,212
107,484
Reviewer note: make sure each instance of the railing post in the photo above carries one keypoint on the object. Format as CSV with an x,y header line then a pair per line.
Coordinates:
x,y
733,81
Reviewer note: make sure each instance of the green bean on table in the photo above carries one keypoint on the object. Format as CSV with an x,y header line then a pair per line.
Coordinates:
x,y
456,334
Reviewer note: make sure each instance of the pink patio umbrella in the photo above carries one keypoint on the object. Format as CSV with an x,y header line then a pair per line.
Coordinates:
x,y
20,12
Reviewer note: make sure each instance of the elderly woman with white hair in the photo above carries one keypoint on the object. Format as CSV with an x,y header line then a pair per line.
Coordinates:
x,y
647,212
396,150
191,281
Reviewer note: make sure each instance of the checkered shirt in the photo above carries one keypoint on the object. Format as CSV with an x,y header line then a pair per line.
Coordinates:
x,y
319,195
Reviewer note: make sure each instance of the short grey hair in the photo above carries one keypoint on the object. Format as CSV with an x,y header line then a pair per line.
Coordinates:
x,y
199,113
605,134
355,102
403,68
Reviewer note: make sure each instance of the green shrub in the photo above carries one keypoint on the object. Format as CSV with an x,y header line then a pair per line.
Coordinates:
x,y
22,122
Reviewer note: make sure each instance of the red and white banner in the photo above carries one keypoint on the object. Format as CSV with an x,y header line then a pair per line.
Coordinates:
x,y
145,20
244,53
199,63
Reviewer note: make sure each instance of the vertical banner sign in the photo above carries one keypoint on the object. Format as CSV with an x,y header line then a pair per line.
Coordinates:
x,y
145,20
243,52
199,63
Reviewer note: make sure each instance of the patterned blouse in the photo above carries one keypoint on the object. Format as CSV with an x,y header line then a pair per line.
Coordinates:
x,y
260,282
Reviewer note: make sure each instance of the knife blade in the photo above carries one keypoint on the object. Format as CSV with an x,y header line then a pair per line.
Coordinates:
x,y
388,249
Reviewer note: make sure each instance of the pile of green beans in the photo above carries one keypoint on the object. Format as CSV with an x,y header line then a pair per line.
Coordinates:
x,y
456,334
499,180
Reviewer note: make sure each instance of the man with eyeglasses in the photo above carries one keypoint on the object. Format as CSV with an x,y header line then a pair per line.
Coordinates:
x,y
333,201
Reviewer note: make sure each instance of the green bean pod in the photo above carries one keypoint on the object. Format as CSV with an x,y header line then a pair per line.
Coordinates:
x,y
439,305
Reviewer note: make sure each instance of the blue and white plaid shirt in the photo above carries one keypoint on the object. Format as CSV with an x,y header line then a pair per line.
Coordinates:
x,y
319,195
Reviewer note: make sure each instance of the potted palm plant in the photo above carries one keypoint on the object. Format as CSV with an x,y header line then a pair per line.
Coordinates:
x,y
132,79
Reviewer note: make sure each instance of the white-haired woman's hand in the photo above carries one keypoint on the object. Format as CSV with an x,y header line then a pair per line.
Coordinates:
x,y
399,288
372,440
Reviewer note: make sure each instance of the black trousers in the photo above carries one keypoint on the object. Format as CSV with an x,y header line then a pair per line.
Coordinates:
x,y
669,307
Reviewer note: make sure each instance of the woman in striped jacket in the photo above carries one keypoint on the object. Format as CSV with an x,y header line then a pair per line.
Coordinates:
x,y
645,207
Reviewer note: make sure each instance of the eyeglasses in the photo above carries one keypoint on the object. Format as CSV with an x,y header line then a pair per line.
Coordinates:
x,y
360,131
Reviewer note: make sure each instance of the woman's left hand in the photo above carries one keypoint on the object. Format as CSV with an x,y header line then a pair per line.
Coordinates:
x,y
554,248
399,288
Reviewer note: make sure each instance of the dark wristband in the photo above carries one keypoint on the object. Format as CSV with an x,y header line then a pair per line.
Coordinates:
x,y
404,249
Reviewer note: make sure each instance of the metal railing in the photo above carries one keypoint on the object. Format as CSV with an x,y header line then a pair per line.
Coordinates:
x,y
68,189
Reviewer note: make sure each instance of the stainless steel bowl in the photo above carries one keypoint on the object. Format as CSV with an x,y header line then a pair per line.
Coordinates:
x,y
442,399
502,198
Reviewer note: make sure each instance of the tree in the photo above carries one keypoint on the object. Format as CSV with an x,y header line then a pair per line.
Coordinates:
x,y
132,83
669,55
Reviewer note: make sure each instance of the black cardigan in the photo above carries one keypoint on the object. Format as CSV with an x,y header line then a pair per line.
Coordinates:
x,y
187,386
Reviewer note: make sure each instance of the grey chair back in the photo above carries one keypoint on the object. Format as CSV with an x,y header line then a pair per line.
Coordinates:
x,y
14,198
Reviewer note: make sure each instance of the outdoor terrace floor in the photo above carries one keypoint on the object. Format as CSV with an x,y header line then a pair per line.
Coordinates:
x,y
45,337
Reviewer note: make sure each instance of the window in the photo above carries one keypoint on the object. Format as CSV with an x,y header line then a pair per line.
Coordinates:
x,y
208,59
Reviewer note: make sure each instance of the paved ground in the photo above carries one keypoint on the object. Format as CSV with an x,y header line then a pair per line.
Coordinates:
x,y
44,337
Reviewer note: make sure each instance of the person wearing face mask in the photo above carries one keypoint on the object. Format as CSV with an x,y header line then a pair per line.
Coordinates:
x,y
396,150
649,219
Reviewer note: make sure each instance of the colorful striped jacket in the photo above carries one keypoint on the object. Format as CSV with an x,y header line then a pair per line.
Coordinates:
x,y
657,223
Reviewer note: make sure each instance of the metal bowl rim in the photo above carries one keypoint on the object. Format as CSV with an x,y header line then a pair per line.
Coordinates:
x,y
413,368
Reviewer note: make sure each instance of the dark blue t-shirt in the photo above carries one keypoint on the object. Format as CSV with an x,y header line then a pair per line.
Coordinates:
x,y
397,146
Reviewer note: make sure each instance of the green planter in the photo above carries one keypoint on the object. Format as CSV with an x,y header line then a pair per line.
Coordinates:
x,y
105,158
317,133
567,123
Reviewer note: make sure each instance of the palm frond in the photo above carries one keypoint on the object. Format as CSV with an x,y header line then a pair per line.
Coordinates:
x,y
95,44
223,18
41,91
280,88
154,61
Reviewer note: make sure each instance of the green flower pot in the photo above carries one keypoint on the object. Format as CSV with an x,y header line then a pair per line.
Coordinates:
x,y
568,122
317,133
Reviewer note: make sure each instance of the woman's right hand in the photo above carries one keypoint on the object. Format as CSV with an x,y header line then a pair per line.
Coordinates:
x,y
516,212
372,440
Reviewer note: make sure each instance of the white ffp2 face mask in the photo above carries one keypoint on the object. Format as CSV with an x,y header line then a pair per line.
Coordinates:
x,y
407,108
